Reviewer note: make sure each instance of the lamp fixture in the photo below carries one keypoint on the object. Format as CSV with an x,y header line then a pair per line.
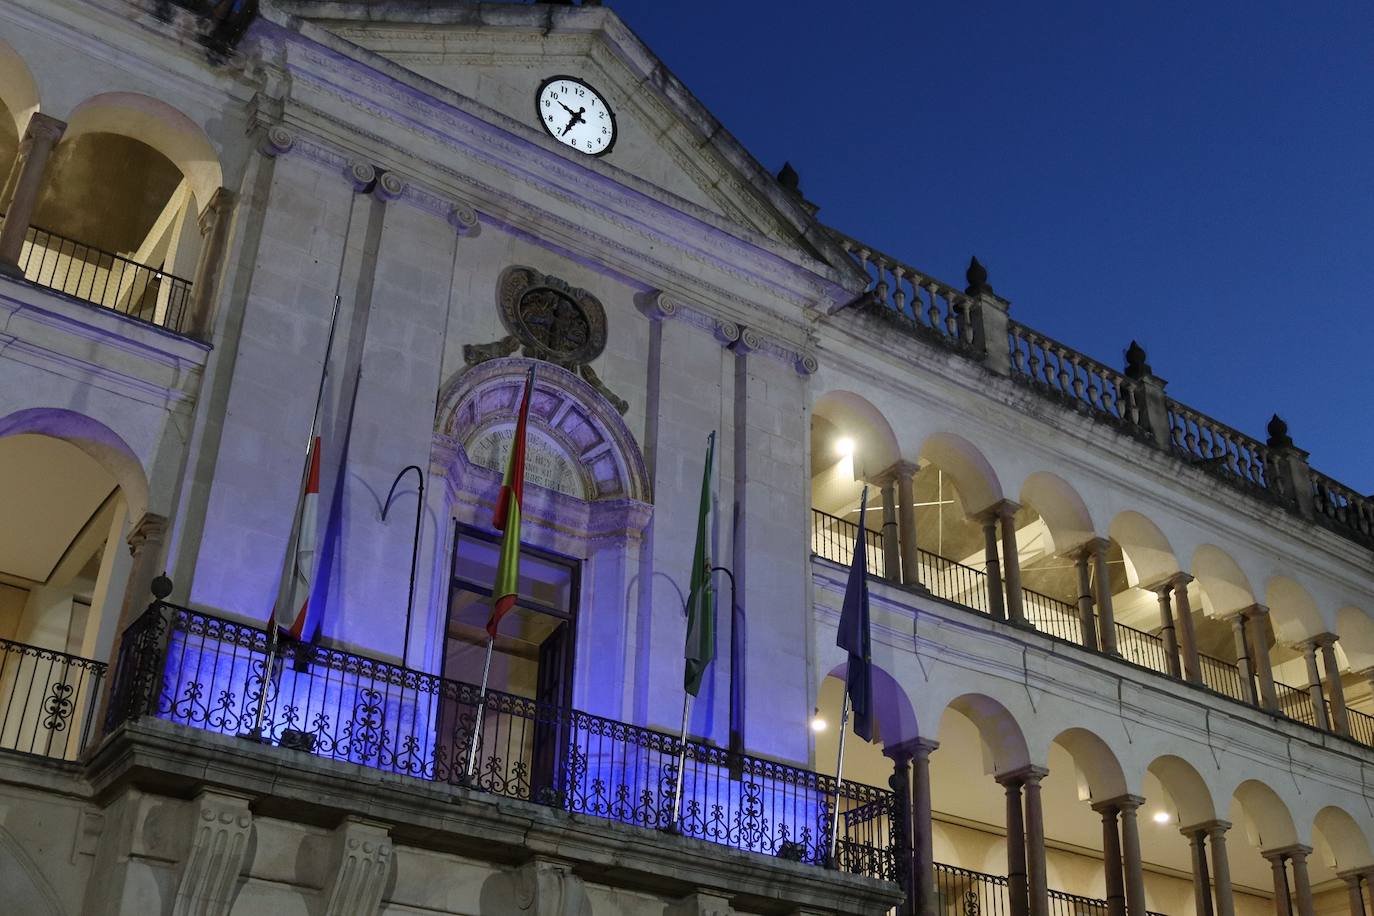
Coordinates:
x,y
818,723
844,446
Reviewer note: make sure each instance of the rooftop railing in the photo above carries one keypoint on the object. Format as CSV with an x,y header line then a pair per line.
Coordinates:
x,y
47,700
105,279
974,324
209,673
832,538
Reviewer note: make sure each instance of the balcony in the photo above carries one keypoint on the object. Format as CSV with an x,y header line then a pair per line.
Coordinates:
x,y
833,538
47,700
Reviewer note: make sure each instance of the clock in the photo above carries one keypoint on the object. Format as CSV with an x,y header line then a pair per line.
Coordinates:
x,y
575,115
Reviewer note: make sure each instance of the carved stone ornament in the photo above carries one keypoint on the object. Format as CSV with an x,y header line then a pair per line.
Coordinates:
x,y
544,888
555,321
208,878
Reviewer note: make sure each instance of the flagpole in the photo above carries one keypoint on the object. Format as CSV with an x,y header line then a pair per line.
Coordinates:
x,y
681,761
839,780
293,542
481,708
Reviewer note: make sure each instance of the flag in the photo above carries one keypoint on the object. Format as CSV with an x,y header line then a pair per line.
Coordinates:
x,y
701,603
507,518
854,635
290,612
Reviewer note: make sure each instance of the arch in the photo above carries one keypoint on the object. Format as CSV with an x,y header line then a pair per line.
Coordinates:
x,y
1224,586
854,416
1100,776
895,713
1293,612
1004,744
972,473
1148,553
158,125
1338,839
1186,788
1267,820
585,448
1356,631
18,91
92,437
1063,511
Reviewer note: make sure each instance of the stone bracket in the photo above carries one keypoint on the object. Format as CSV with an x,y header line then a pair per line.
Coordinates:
x,y
220,830
362,864
701,903
546,887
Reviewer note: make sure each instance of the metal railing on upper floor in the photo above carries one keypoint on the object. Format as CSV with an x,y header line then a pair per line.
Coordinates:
x,y
105,279
926,308
975,893
213,674
832,538
47,700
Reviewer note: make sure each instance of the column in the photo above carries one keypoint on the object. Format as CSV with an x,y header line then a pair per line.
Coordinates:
x,y
1259,656
1016,847
1011,560
1087,624
1187,633
1221,868
1111,860
993,567
1038,885
1202,884
1356,894
918,870
1247,679
198,320
1339,718
1106,619
1130,854
1314,684
906,519
903,825
1166,630
892,557
35,149
1282,905
1302,888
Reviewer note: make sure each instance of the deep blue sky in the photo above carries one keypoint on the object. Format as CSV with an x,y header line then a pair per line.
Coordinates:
x,y
1197,176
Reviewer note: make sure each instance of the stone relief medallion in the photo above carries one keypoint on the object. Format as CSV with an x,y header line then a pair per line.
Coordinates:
x,y
552,320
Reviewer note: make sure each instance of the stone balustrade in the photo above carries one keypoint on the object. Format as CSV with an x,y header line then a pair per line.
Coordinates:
x,y
1132,401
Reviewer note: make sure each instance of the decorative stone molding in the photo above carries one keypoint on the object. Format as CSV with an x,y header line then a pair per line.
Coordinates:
x,y
807,364
727,332
276,141
362,865
360,174
660,306
390,186
147,531
751,341
547,887
219,844
464,220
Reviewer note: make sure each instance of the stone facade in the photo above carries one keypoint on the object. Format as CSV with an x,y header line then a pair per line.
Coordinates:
x,y
375,167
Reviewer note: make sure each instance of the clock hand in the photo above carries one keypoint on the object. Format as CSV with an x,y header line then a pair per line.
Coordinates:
x,y
567,109
574,120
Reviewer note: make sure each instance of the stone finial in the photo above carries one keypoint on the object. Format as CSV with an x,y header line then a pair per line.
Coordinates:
x,y
788,178
977,277
1136,366
161,587
1278,433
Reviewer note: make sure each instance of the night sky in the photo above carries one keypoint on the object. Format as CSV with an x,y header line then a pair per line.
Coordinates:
x,y
1199,177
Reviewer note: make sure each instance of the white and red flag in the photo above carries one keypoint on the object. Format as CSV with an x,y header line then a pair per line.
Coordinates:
x,y
290,612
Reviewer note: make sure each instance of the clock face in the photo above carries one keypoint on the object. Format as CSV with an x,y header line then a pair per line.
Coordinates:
x,y
575,114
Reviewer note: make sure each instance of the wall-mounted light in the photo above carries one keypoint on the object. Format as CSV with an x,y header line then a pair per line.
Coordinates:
x,y
844,446
817,722
1162,817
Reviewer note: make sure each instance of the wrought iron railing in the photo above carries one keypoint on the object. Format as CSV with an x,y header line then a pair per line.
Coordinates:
x,y
833,537
105,279
208,673
47,700
964,892
1222,677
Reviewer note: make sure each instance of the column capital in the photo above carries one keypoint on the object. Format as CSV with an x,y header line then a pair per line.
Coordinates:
x,y
1122,802
220,201
1211,828
1004,508
149,529
1092,547
1022,775
1180,580
1325,640
1353,876
910,749
45,127
894,472
1297,852
1254,610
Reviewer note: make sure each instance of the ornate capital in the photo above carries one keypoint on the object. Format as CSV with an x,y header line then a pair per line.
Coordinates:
x,y
464,220
219,841
360,174
147,531
390,186
276,141
750,341
806,364
727,332
660,306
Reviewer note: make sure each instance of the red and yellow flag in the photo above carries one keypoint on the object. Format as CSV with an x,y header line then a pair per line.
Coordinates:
x,y
507,518
291,610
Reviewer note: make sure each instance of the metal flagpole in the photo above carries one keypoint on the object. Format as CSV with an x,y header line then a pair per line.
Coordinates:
x,y
414,549
681,760
481,708
293,542
839,780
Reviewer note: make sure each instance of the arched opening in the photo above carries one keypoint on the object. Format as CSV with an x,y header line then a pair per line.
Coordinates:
x,y
1174,828
1221,591
1356,631
1053,527
852,444
1148,563
1261,823
117,217
19,98
1339,844
1294,621
62,571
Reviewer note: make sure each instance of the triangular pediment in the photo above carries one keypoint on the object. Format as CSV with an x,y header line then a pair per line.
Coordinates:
x,y
498,55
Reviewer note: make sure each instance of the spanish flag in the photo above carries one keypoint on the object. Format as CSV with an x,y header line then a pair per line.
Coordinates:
x,y
290,612
507,518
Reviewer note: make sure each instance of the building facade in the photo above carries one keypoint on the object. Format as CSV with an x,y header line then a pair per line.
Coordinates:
x,y
1124,651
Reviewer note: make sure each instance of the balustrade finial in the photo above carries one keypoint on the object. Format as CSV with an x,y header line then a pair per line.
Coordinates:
x,y
1278,433
1136,366
977,277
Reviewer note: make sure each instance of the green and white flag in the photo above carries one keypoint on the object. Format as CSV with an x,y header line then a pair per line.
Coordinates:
x,y
701,599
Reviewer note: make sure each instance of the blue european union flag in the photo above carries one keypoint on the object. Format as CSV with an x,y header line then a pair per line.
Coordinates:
x,y
854,635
